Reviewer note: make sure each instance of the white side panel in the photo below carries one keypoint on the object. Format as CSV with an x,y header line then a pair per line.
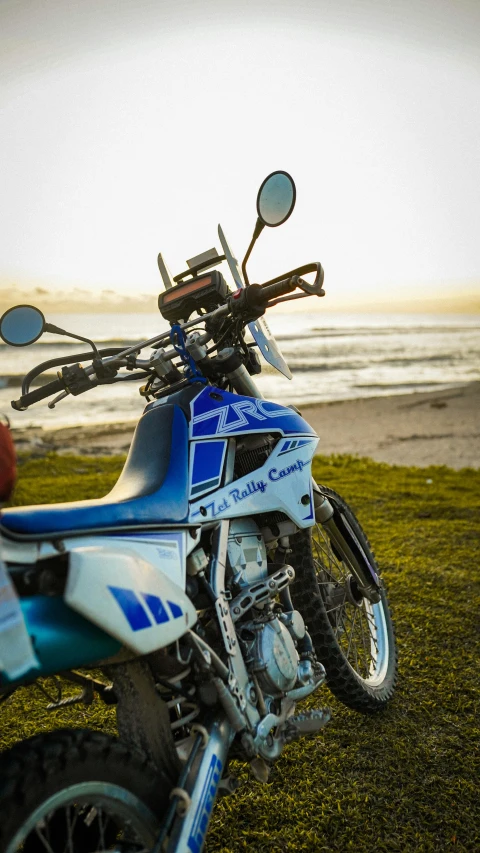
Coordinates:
x,y
128,597
282,484
166,551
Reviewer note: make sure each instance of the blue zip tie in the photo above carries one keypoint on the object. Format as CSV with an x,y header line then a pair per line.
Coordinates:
x,y
177,337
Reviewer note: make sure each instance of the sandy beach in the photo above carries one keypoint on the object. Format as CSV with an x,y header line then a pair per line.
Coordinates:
x,y
436,428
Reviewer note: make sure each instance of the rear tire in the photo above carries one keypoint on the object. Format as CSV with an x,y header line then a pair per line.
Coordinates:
x,y
353,638
80,791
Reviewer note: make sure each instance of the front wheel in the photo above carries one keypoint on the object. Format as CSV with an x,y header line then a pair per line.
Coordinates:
x,y
353,637
79,791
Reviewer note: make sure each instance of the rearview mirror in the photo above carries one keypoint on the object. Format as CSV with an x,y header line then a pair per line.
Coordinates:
x,y
276,199
22,325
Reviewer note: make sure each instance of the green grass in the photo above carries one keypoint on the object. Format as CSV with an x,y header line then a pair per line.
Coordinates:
x,y
405,780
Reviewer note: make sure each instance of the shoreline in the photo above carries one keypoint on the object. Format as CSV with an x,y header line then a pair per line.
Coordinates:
x,y
421,429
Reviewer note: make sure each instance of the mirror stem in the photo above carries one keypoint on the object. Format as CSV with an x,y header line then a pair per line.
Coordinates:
x,y
49,327
256,234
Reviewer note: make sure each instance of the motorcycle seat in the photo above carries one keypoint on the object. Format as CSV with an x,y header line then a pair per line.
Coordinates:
x,y
152,489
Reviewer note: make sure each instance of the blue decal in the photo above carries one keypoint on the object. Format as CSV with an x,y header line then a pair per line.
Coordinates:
x,y
233,414
206,486
176,611
236,495
288,446
274,474
131,608
167,551
205,806
156,607
207,465
134,610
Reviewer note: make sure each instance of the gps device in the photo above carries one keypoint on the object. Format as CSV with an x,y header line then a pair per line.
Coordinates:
x,y
201,294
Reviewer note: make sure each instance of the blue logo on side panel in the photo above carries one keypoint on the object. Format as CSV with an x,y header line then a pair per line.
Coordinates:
x,y
131,608
205,806
156,608
137,616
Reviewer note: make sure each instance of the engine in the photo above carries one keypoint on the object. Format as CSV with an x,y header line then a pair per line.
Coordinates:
x,y
269,637
246,551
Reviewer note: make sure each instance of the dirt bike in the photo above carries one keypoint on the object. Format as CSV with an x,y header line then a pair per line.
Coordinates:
x,y
215,587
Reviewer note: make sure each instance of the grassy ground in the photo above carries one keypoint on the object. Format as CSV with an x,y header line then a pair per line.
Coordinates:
x,y
406,780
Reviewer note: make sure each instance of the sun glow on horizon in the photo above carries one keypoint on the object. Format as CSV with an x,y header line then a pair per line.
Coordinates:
x,y
144,144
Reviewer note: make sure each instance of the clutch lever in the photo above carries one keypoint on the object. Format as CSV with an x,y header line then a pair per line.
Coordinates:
x,y
53,403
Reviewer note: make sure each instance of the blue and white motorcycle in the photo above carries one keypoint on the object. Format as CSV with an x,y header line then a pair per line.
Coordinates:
x,y
214,587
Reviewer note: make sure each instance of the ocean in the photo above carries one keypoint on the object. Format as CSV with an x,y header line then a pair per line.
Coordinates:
x,y
332,357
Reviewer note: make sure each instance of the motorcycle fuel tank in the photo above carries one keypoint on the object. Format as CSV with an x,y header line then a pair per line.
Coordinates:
x,y
216,413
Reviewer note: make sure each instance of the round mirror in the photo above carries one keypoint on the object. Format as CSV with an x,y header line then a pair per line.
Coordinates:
x,y
22,325
276,199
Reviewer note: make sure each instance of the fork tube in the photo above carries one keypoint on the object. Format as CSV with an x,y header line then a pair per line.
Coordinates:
x,y
188,833
243,382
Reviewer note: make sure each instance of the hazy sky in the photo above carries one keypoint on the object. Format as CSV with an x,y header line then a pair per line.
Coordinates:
x,y
133,127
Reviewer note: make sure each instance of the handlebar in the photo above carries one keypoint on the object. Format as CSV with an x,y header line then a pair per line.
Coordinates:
x,y
47,390
252,300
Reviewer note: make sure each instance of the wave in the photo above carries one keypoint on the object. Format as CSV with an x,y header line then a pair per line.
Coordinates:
x,y
346,331
397,385
371,361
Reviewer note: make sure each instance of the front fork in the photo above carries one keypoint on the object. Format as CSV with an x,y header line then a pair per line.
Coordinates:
x,y
195,797
342,535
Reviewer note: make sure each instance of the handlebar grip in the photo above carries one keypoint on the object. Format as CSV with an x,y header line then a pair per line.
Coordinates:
x,y
280,288
39,394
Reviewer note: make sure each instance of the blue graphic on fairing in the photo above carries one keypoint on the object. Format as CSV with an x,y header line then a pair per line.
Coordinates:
x,y
310,515
218,413
293,444
206,461
134,610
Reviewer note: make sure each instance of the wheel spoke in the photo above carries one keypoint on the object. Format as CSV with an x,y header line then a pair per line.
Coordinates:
x,y
351,634
44,841
367,663
101,828
69,846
